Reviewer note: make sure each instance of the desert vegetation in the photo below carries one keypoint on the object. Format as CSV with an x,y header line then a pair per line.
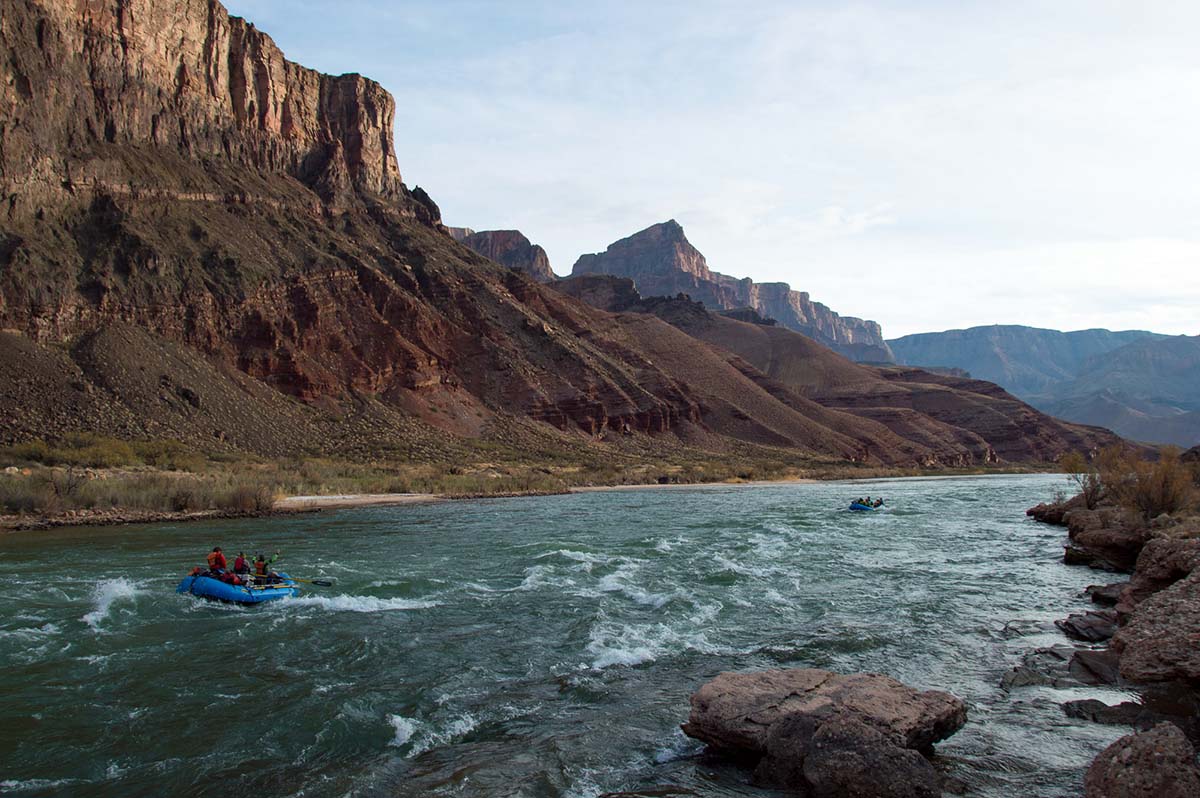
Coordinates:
x,y
84,474
1144,487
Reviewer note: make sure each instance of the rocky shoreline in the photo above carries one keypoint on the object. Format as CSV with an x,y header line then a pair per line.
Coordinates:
x,y
1143,636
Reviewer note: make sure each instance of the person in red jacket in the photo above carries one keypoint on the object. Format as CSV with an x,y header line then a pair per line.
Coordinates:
x,y
241,565
216,560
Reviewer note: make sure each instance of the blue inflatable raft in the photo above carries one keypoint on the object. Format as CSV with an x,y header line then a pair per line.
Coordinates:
x,y
861,508
215,589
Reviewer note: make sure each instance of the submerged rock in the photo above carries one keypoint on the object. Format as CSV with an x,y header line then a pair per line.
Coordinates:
x,y
1106,595
1127,713
832,734
1096,667
1090,627
1041,667
1159,763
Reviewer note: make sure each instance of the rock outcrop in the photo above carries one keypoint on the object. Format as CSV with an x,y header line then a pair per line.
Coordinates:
x,y
1161,563
512,249
1159,641
1158,763
827,733
662,262
83,79
1104,538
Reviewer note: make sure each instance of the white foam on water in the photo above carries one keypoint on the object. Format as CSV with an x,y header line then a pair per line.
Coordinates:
x,y
586,559
629,645
32,632
405,729
357,603
106,594
679,747
539,576
619,582
28,785
459,727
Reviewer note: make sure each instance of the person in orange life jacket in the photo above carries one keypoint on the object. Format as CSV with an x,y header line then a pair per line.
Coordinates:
x,y
216,560
241,565
262,570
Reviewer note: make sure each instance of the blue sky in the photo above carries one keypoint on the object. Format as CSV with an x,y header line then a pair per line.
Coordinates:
x,y
925,164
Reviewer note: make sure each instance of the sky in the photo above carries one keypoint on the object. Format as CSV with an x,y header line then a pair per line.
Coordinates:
x,y
929,164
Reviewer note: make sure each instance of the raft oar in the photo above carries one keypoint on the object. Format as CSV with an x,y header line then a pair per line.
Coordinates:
x,y
318,582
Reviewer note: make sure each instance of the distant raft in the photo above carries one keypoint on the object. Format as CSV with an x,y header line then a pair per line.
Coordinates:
x,y
861,508
216,590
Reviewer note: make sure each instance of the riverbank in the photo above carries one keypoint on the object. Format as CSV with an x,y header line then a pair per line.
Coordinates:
x,y
258,498
1137,635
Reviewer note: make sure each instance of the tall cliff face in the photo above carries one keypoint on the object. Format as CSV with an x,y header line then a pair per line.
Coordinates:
x,y
662,262
177,74
200,239
512,249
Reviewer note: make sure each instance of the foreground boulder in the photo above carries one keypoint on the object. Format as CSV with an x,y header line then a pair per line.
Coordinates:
x,y
1159,763
834,735
1094,626
1159,641
1162,563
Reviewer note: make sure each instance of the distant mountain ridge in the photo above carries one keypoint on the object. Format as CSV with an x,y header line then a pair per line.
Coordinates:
x,y
1141,384
662,262
1025,360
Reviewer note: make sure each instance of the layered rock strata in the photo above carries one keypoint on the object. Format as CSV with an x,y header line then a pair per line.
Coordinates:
x,y
936,419
662,262
512,249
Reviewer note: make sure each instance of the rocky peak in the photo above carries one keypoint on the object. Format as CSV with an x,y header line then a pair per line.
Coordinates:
x,y
512,249
662,262
660,247
179,75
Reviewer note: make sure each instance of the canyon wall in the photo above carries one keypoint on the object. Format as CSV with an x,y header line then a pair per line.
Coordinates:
x,y
662,262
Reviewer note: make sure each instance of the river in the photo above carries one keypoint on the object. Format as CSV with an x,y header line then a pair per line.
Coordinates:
x,y
528,647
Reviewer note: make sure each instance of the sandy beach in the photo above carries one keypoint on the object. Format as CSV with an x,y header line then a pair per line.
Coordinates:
x,y
337,501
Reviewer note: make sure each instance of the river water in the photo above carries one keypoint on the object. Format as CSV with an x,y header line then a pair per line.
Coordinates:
x,y
534,647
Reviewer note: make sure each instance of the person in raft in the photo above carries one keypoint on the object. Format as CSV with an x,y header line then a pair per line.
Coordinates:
x,y
216,560
262,570
241,565
878,503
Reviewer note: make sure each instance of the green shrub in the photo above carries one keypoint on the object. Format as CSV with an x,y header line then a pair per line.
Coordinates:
x,y
248,498
21,494
167,453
